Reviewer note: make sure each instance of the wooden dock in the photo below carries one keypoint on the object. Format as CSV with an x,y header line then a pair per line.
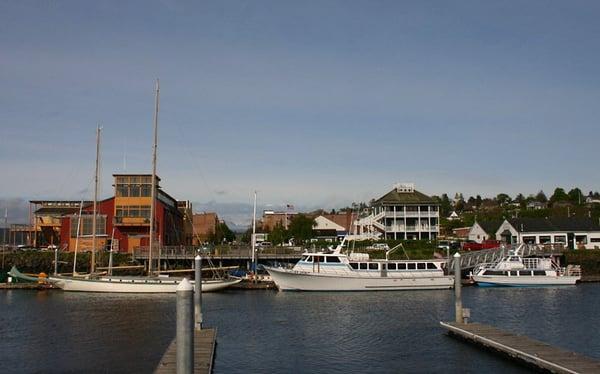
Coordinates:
x,y
204,353
526,350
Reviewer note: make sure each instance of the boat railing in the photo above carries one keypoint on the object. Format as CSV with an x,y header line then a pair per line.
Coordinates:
x,y
570,271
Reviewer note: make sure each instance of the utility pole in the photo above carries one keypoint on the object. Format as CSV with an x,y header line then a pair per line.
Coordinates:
x,y
254,237
153,193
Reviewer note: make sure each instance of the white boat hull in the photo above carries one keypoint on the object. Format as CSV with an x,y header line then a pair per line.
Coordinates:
x,y
134,285
524,281
290,280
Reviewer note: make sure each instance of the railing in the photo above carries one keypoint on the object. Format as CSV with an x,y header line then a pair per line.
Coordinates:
x,y
189,252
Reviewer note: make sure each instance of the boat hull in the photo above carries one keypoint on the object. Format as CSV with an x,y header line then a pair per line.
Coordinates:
x,y
524,281
289,280
133,285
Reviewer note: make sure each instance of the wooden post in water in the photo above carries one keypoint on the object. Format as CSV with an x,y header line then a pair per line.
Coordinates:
x,y
185,328
198,293
457,289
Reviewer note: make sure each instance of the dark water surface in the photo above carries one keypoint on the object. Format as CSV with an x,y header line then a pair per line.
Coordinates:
x,y
274,332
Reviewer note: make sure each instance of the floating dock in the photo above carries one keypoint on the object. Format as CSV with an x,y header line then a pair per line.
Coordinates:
x,y
521,348
204,353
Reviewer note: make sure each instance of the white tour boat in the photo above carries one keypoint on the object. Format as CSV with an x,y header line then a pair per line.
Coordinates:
x,y
335,271
516,271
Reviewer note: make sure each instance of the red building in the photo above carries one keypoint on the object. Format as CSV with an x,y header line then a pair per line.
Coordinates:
x,y
125,218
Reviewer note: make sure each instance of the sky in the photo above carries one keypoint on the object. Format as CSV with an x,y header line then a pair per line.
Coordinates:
x,y
311,103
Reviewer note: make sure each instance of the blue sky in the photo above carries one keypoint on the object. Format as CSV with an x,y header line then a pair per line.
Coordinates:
x,y
313,103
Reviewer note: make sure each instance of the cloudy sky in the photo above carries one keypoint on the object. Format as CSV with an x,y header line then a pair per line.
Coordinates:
x,y
314,103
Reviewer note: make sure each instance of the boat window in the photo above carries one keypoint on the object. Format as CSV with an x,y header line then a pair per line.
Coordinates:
x,y
354,265
363,266
392,266
514,258
411,266
421,266
373,266
525,272
539,272
402,266
309,259
319,259
431,265
512,273
333,259
304,258
494,272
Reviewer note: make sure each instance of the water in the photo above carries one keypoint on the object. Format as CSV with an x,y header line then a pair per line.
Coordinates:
x,y
273,332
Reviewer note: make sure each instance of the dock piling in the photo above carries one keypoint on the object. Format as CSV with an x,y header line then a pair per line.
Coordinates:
x,y
185,328
198,293
458,310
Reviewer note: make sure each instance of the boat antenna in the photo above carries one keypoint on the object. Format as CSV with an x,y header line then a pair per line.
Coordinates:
x,y
153,193
94,221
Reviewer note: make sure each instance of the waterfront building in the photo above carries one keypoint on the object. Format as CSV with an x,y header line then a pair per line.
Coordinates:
x,y
327,229
205,225
573,232
483,230
125,218
402,214
46,217
270,219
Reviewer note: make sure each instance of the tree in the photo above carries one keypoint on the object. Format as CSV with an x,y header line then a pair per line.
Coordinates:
x,y
521,200
559,195
541,197
279,234
502,199
478,201
222,233
445,205
301,228
576,196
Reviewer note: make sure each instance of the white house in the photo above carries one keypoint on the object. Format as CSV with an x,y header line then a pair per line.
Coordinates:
x,y
573,232
403,213
327,229
484,230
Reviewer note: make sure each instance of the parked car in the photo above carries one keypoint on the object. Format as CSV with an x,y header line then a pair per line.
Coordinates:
x,y
474,246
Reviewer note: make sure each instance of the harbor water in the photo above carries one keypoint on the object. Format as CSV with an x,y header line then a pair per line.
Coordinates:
x,y
289,332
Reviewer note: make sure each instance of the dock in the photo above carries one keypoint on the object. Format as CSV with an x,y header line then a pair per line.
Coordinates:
x,y
528,351
204,353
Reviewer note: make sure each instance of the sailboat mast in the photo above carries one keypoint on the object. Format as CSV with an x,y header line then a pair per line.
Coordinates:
x,y
94,221
254,235
153,193
77,238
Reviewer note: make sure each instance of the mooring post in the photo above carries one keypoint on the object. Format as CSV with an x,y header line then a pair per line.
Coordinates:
x,y
198,293
56,261
185,328
457,289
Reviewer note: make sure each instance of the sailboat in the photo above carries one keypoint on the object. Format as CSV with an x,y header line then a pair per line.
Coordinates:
x,y
132,284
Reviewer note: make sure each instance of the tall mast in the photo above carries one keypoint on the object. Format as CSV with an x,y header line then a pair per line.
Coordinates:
x,y
93,266
153,193
254,235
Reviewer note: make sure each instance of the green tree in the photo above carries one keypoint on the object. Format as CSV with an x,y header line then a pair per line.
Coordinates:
x,y
521,200
221,234
301,228
559,195
445,205
576,196
541,197
279,234
502,199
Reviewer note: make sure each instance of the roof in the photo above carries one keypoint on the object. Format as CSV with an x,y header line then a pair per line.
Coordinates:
x,y
490,227
395,197
554,224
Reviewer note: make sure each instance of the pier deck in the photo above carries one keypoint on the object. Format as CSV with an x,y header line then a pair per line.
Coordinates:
x,y
526,350
204,352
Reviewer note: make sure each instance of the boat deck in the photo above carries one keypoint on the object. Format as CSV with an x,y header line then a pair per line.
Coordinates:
x,y
521,348
204,353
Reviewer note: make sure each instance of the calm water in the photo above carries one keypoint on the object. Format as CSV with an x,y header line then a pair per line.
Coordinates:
x,y
272,332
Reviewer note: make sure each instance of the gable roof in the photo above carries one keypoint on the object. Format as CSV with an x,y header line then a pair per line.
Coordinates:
x,y
490,227
322,223
414,197
554,224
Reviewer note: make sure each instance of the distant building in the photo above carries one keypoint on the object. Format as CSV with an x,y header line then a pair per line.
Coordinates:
x,y
270,219
536,205
461,232
453,216
403,214
573,232
327,229
47,219
483,230
204,225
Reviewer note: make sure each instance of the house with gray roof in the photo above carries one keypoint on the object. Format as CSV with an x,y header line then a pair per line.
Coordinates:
x,y
403,214
483,230
573,232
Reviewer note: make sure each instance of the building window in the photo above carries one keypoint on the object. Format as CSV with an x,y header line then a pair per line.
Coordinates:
x,y
529,239
86,225
133,211
545,239
560,239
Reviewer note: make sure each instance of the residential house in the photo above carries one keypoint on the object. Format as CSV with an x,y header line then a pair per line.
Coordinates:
x,y
483,230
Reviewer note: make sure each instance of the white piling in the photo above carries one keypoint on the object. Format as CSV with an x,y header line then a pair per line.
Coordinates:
x,y
198,293
185,328
457,289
